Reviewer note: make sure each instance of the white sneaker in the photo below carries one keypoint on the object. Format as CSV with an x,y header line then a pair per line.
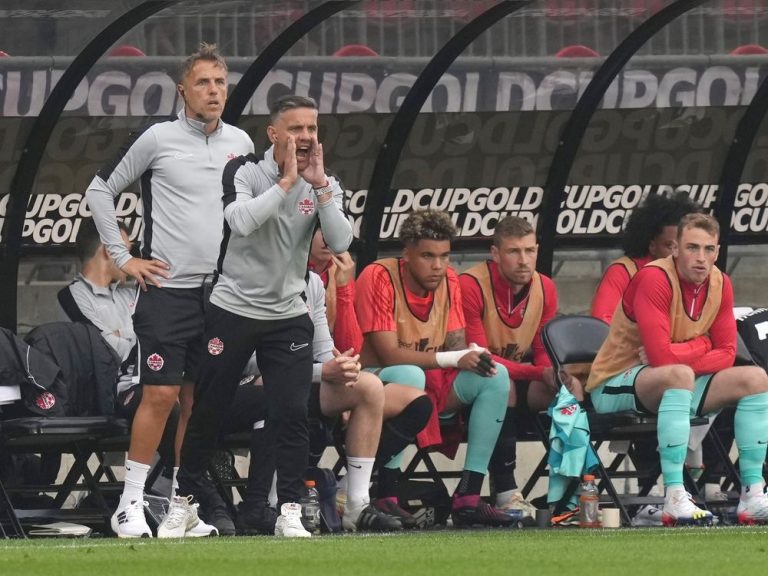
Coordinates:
x,y
201,529
680,510
648,515
129,521
515,501
289,524
182,520
753,506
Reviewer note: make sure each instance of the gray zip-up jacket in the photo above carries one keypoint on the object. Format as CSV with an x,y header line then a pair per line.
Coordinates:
x,y
264,255
180,168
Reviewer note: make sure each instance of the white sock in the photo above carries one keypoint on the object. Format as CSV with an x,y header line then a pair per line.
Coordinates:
x,y
358,478
752,490
504,497
672,490
174,483
135,478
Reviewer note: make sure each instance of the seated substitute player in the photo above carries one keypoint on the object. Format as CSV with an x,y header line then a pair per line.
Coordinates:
x,y
650,234
670,352
409,310
506,303
406,408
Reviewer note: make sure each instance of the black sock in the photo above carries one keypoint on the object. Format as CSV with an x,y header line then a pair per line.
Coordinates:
x,y
504,458
470,483
400,431
387,482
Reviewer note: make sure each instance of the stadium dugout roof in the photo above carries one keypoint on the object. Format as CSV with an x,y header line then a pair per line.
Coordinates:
x,y
567,112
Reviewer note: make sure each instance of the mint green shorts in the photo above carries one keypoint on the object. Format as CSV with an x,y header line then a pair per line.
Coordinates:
x,y
617,393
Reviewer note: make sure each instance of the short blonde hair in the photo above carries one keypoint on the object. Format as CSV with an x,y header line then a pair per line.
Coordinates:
x,y
696,220
208,53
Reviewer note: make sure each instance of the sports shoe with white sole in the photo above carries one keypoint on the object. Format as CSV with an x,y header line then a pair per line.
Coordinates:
x,y
680,510
370,519
515,501
288,524
201,530
753,507
648,515
182,520
129,521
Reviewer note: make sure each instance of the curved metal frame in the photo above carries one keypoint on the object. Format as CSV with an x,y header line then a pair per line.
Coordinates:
x,y
397,135
577,123
34,147
735,160
41,131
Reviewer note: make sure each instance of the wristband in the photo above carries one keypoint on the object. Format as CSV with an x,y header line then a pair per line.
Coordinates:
x,y
449,359
323,190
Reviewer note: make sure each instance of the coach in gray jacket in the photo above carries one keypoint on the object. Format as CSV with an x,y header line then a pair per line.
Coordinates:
x,y
179,164
272,205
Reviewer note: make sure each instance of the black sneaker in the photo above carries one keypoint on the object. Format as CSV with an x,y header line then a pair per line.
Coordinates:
x,y
391,507
255,520
371,520
481,515
219,517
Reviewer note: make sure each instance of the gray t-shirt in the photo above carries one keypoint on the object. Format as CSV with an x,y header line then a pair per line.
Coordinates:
x,y
180,168
110,309
264,260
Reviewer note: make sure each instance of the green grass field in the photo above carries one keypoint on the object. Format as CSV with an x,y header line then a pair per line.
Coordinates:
x,y
699,551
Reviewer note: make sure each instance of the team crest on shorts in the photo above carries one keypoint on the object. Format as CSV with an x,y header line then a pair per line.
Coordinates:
x,y
155,362
215,346
45,401
306,206
569,410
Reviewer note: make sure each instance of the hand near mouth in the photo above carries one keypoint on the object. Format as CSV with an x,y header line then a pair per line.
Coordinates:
x,y
290,173
314,173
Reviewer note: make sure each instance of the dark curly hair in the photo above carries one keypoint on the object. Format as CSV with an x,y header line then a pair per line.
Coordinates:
x,y
649,219
427,225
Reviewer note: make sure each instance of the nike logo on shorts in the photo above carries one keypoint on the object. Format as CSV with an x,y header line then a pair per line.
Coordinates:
x,y
296,347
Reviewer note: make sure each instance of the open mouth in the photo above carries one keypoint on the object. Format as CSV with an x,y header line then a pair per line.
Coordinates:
x,y
302,152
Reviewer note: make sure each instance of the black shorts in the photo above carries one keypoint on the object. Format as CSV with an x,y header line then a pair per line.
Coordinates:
x,y
169,324
521,387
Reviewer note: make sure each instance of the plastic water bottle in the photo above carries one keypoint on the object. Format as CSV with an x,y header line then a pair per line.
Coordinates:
x,y
589,503
310,508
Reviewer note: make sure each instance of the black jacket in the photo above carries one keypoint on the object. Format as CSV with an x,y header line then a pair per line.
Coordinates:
x,y
89,366
43,390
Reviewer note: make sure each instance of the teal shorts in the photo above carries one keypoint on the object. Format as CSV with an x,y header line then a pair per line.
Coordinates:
x,y
617,393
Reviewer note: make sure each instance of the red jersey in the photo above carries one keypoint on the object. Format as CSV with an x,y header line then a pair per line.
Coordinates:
x,y
511,312
612,285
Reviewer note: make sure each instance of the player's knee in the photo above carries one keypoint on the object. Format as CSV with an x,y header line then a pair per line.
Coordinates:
x,y
160,398
406,375
755,381
681,377
498,383
371,389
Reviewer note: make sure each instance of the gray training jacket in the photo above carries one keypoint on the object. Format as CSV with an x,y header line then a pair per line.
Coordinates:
x,y
180,168
263,263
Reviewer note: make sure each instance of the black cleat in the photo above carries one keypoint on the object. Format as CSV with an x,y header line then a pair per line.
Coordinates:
x,y
391,507
371,520
481,515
